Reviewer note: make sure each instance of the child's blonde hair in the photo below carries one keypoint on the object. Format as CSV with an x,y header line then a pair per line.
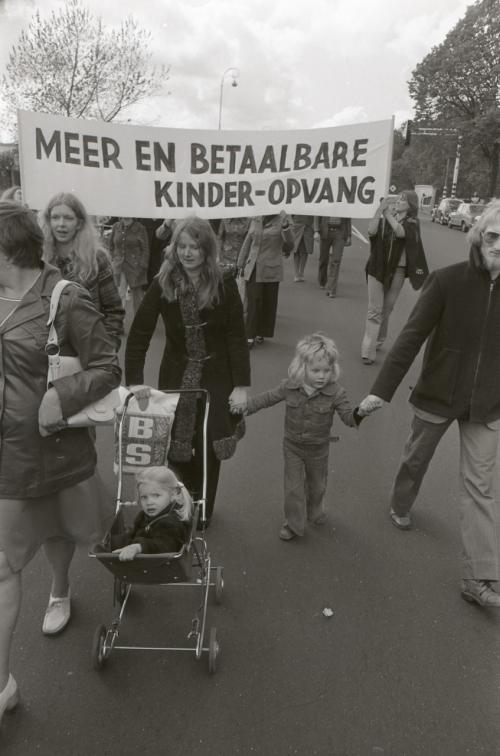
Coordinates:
x,y
315,345
183,503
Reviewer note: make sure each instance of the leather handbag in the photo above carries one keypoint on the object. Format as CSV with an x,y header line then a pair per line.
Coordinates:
x,y
101,412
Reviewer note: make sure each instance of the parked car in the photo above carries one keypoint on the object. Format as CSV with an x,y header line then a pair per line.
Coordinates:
x,y
440,213
465,216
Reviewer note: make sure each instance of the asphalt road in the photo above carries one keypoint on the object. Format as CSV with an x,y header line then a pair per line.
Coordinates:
x,y
402,667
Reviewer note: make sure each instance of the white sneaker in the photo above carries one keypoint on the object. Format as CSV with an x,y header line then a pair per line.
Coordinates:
x,y
9,697
57,614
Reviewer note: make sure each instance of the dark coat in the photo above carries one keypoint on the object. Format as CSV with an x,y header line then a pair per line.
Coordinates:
x,y
386,249
458,312
103,292
32,465
227,362
161,534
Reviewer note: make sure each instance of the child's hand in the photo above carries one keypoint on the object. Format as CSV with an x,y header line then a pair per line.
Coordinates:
x,y
369,404
238,400
126,553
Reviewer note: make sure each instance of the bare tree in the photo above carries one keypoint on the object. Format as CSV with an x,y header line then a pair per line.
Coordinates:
x,y
69,63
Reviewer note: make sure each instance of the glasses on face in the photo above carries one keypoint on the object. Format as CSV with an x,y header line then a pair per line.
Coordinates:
x,y
490,238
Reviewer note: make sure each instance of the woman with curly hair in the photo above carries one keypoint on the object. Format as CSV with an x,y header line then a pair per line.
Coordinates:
x,y
72,244
205,347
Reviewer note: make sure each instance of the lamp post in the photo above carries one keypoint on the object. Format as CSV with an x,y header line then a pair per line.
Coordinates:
x,y
234,73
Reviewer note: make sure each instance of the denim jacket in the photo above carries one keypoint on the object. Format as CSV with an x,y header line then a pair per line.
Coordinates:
x,y
308,418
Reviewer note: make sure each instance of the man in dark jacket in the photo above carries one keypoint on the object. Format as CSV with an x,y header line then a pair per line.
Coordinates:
x,y
459,313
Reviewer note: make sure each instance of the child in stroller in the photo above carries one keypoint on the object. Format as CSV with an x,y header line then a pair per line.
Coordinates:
x,y
164,523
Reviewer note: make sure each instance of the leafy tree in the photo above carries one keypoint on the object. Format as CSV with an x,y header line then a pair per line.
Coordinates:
x,y
458,85
70,64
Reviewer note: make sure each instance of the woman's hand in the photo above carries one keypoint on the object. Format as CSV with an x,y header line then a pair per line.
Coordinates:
x,y
129,552
238,400
142,394
50,417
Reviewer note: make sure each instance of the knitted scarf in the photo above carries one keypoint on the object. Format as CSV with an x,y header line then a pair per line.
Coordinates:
x,y
185,420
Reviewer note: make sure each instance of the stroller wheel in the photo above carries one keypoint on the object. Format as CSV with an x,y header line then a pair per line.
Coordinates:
x,y
219,584
98,654
213,650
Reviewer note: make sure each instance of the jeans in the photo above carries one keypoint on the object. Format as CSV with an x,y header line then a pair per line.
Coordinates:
x,y
479,512
306,476
380,305
329,261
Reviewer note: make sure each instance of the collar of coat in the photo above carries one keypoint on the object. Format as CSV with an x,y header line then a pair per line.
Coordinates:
x,y
36,301
328,390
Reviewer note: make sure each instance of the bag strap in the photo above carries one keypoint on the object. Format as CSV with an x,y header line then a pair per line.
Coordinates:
x,y
52,344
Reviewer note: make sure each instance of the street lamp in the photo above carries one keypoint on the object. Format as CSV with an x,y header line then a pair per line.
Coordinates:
x,y
234,73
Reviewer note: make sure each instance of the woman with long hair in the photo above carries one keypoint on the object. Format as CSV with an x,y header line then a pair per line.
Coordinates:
x,y
72,244
396,253
205,347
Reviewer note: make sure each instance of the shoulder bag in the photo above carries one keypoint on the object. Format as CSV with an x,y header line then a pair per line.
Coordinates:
x,y
101,412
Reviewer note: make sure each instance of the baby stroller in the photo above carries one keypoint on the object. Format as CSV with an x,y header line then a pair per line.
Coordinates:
x,y
190,568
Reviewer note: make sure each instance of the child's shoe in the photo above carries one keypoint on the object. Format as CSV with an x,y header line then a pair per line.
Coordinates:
x,y
286,534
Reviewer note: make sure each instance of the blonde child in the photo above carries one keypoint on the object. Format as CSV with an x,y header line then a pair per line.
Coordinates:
x,y
312,396
164,523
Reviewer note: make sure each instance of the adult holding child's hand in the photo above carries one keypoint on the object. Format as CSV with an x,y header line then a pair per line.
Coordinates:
x,y
458,315
205,348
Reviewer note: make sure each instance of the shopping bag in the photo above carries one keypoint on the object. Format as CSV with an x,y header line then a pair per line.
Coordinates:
x,y
142,437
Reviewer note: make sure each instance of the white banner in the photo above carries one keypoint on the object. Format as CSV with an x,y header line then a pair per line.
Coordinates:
x,y
147,172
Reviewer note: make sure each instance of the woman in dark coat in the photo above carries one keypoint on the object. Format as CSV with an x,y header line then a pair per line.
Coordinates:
x,y
396,253
269,238
205,347
49,492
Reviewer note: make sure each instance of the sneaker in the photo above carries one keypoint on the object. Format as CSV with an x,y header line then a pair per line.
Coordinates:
x,y
286,534
57,614
403,522
480,592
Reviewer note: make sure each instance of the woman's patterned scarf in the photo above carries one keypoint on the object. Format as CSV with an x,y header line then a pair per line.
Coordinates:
x,y
181,446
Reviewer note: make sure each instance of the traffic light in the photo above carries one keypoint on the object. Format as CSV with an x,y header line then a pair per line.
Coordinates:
x,y
407,132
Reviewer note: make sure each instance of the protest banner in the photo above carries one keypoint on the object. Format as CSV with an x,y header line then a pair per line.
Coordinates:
x,y
150,172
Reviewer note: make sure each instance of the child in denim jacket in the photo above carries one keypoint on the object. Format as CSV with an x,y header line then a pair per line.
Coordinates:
x,y
312,396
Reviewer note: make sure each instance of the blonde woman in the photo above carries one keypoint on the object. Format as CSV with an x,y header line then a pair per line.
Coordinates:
x,y
205,347
72,244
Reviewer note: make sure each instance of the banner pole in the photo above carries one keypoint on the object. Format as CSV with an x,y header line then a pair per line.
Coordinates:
x,y
389,157
21,161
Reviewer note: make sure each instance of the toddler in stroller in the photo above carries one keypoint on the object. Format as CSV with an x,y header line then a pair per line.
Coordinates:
x,y
164,523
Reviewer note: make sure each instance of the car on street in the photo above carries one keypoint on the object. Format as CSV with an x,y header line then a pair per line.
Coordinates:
x,y
440,213
465,216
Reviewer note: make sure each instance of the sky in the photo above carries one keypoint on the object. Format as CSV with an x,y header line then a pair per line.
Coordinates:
x,y
300,63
